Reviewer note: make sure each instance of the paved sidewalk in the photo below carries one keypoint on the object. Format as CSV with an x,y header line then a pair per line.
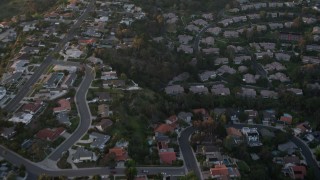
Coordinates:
x,y
49,164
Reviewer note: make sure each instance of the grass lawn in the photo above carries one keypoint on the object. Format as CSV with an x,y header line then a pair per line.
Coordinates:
x,y
243,167
86,164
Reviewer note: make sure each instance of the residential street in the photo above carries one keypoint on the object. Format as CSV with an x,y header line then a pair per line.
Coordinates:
x,y
186,150
85,116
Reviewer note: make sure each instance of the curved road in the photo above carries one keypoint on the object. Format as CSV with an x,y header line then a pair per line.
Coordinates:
x,y
190,160
34,169
85,116
13,105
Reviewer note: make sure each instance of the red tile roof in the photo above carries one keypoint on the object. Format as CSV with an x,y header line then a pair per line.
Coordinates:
x,y
200,111
231,131
299,172
64,106
121,153
32,107
173,118
50,134
167,157
220,170
286,119
164,128
87,41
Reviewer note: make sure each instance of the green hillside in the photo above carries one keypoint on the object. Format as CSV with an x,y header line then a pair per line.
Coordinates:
x,y
10,8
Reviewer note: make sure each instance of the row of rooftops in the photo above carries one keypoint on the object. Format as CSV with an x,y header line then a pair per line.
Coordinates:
x,y
220,89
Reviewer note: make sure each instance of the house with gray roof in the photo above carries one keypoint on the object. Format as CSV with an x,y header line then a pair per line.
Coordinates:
x,y
8,133
220,89
280,77
99,140
63,118
185,48
248,92
199,89
250,79
205,76
261,55
269,94
211,51
222,60
296,91
253,16
313,47
174,90
310,60
226,22
282,56
185,116
230,34
240,59
268,46
184,39
274,26
226,69
214,30
82,155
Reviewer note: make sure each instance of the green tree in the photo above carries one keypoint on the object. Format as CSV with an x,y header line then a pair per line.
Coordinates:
x,y
190,176
131,170
96,177
317,152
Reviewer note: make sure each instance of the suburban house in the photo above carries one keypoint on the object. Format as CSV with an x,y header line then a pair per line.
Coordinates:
x,y
120,153
252,136
109,75
68,82
302,128
8,133
104,124
174,90
82,155
269,94
213,157
185,116
32,107
53,80
295,171
103,111
224,172
235,134
103,96
172,119
220,89
99,140
50,134
164,128
199,89
286,119
63,118
22,117
64,105
167,156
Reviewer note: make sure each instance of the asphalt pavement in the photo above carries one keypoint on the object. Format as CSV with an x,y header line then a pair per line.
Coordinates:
x,y
84,113
188,155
